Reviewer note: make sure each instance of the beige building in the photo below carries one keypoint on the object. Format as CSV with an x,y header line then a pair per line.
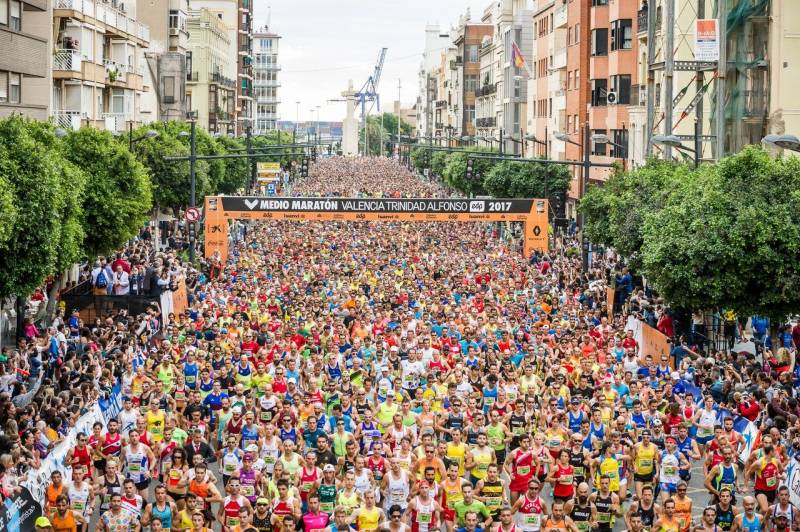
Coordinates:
x,y
212,94
266,82
25,75
98,64
784,48
168,57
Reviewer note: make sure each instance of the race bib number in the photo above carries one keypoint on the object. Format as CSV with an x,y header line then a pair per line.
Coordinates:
x,y
523,470
306,486
248,490
230,469
231,521
603,517
565,479
669,470
326,507
78,506
579,471
645,463
266,415
134,468
424,517
532,520
269,459
772,482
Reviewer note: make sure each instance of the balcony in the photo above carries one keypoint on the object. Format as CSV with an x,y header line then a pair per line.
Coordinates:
x,y
114,19
642,20
560,59
219,79
485,122
116,122
115,72
486,90
266,83
67,60
441,104
560,18
67,119
194,77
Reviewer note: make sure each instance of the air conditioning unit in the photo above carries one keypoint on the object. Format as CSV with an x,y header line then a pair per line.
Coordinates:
x,y
611,98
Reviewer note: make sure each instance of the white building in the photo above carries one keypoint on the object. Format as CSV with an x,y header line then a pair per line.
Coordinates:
x,y
266,82
436,41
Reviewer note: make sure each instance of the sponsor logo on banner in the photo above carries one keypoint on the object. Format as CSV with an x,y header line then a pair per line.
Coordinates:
x,y
18,514
476,206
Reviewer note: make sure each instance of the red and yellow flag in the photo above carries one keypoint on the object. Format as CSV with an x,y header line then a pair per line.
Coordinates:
x,y
517,57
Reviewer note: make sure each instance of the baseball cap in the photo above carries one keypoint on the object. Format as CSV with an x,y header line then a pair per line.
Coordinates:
x,y
574,401
42,521
292,380
328,467
262,500
670,438
676,376
657,423
237,409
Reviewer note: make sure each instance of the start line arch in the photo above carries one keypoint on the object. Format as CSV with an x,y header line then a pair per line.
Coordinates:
x,y
220,209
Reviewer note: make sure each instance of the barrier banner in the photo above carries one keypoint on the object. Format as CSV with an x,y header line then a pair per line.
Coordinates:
x,y
180,300
792,481
610,292
651,341
102,411
19,513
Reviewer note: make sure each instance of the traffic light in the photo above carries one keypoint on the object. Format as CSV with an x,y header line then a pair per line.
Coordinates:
x,y
470,169
304,167
313,153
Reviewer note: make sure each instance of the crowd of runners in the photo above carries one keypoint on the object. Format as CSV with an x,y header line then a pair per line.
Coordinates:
x,y
394,377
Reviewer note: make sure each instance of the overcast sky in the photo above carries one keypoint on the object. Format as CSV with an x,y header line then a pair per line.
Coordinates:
x,y
327,42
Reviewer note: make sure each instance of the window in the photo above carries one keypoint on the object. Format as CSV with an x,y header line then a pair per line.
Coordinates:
x,y
577,33
471,82
600,41
472,53
469,116
189,61
14,88
3,85
15,20
577,78
569,35
622,34
173,18
596,3
599,92
599,148
619,149
168,89
569,123
569,79
4,12
621,85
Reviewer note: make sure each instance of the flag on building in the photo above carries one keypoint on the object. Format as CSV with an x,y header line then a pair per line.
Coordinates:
x,y
517,58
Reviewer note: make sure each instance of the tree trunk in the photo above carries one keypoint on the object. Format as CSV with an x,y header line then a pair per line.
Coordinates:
x,y
58,284
19,308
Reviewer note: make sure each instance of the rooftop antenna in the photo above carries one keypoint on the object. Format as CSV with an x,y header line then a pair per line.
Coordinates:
x,y
269,16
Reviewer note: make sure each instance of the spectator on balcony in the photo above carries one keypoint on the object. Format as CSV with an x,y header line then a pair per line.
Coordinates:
x,y
121,283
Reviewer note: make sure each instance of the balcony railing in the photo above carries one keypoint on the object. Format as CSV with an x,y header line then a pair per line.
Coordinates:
x,y
486,90
67,119
642,21
219,79
116,72
116,122
485,122
107,14
67,60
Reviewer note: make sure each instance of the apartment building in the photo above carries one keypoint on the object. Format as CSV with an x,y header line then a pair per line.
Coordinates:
x,y
212,95
468,38
613,78
548,84
98,64
244,72
436,40
168,59
486,95
266,69
25,58
447,84
784,116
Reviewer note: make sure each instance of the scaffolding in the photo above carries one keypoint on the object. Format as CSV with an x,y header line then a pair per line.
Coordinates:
x,y
736,87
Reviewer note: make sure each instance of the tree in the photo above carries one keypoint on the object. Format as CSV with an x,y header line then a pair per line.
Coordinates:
x,y
390,125
439,162
729,237
419,158
510,179
614,213
455,172
385,130
46,192
8,209
119,194
171,179
237,171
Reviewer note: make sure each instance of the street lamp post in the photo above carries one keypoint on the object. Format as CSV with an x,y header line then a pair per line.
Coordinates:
x,y
786,142
192,118
585,167
149,134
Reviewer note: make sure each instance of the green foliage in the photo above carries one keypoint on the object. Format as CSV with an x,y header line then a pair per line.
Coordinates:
x,y
455,172
615,212
237,171
46,192
8,209
509,179
386,130
439,162
730,237
171,179
118,196
419,158
721,236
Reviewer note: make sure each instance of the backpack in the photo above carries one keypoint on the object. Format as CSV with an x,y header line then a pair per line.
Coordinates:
x,y
101,281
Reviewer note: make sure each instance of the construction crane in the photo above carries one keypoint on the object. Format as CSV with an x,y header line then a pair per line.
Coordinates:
x,y
368,93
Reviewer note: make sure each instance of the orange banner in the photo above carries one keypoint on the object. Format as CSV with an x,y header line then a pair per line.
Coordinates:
x,y
532,212
180,302
610,293
654,343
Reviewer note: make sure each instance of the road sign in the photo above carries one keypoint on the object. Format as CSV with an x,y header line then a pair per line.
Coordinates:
x,y
271,189
192,214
